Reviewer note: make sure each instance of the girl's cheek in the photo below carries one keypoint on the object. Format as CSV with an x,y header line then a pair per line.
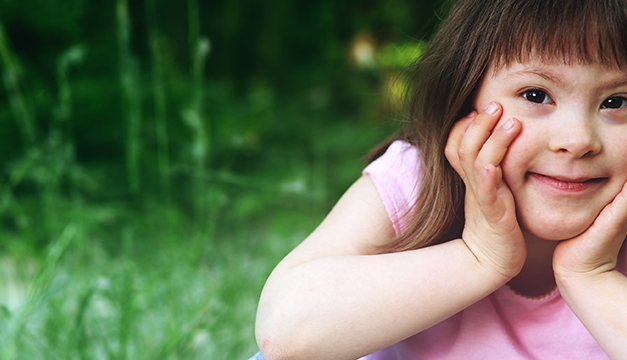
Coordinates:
x,y
509,111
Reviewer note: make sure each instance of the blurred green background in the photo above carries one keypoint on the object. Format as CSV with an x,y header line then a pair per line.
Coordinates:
x,y
160,157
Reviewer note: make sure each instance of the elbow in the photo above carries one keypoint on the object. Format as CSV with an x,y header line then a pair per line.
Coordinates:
x,y
275,350
277,343
285,325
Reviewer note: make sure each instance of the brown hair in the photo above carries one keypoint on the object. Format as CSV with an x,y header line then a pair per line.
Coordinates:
x,y
476,35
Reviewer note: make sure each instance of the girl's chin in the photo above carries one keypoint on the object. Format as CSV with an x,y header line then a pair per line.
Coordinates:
x,y
553,236
555,231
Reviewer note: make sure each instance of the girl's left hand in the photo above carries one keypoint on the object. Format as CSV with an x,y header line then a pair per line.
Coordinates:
x,y
595,251
587,278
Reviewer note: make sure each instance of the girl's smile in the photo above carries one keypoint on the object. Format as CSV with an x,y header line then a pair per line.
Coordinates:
x,y
570,158
564,186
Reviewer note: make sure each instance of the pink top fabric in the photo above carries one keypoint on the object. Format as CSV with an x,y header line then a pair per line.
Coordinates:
x,y
504,325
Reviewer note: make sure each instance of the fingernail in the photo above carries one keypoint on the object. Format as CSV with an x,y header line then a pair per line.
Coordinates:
x,y
509,124
492,108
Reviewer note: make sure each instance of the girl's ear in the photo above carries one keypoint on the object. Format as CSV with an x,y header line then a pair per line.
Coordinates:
x,y
454,140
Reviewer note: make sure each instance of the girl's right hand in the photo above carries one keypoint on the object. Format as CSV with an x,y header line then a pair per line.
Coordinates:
x,y
475,148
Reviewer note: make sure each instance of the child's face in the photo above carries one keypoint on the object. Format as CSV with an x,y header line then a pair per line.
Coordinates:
x,y
570,159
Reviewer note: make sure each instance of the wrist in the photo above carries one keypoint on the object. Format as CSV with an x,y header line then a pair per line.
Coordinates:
x,y
500,270
569,281
503,266
567,272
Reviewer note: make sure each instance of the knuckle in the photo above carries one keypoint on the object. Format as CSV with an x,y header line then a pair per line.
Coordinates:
x,y
450,155
464,154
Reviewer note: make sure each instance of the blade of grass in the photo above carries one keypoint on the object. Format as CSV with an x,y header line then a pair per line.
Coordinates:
x,y
193,22
36,293
21,107
131,95
127,301
158,89
63,111
79,333
193,116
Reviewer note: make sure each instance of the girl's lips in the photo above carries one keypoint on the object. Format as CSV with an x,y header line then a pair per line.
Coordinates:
x,y
566,184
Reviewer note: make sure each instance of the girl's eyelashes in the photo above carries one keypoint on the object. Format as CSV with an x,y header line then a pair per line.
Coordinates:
x,y
615,102
537,96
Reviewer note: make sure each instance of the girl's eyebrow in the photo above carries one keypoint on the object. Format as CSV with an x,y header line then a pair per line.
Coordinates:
x,y
538,72
611,84
621,81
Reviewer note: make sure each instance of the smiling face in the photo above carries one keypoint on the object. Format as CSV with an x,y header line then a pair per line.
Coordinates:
x,y
570,159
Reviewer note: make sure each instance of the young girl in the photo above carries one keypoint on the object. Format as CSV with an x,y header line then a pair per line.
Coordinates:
x,y
491,227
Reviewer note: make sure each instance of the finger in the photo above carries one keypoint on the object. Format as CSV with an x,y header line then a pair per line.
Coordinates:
x,y
613,218
494,203
454,139
496,146
474,139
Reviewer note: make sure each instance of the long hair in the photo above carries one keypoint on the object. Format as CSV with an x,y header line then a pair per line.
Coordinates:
x,y
479,35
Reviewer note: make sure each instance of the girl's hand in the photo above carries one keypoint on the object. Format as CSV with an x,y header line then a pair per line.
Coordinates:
x,y
586,275
594,252
475,149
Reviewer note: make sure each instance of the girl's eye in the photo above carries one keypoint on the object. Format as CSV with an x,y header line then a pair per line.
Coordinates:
x,y
537,96
615,102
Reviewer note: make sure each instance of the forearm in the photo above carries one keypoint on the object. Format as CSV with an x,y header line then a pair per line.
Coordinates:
x,y
343,307
600,302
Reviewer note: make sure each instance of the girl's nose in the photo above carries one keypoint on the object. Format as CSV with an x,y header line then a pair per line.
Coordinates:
x,y
577,137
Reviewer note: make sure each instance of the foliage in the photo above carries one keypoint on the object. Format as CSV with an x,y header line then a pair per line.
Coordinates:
x,y
160,157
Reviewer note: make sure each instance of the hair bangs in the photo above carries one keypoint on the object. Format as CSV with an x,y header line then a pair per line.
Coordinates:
x,y
579,31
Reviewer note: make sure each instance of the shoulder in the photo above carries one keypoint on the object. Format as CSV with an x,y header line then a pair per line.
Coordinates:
x,y
397,154
360,223
357,225
396,176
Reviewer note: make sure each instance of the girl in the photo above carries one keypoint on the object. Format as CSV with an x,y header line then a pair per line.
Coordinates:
x,y
491,227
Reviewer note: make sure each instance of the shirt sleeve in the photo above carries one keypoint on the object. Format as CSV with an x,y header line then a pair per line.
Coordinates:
x,y
396,176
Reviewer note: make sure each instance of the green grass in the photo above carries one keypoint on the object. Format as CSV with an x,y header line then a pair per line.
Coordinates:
x,y
142,206
138,278
161,297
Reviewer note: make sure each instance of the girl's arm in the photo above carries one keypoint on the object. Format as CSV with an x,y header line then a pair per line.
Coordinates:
x,y
332,298
585,272
600,302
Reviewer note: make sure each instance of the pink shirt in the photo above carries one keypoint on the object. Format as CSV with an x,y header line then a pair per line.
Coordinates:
x,y
504,325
